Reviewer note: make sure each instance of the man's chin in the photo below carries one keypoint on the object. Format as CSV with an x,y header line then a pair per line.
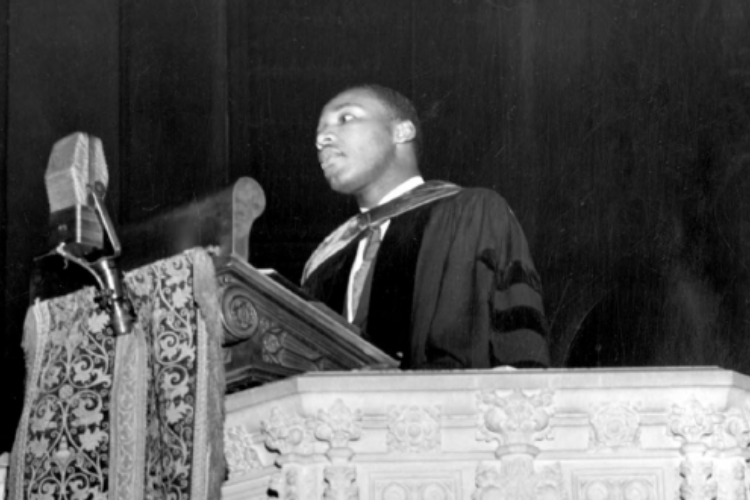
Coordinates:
x,y
339,185
341,188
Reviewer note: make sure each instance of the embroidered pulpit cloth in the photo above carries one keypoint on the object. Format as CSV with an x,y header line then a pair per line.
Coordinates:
x,y
125,418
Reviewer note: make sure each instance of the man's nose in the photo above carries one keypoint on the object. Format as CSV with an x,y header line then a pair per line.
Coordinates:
x,y
323,138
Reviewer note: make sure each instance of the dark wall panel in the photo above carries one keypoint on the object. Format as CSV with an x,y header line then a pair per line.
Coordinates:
x,y
173,103
5,353
646,120
4,13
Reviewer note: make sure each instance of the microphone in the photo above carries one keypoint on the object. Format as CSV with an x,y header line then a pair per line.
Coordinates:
x,y
76,181
76,162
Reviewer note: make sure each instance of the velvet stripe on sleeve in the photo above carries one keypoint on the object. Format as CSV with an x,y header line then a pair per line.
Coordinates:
x,y
478,296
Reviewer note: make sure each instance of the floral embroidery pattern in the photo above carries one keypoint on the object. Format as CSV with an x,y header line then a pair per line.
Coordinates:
x,y
67,456
166,289
70,430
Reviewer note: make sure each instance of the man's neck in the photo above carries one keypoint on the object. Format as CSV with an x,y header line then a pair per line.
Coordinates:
x,y
404,187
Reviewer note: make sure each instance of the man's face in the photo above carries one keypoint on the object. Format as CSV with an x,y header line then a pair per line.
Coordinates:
x,y
355,141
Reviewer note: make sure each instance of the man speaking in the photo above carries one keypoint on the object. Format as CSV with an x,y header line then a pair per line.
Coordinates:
x,y
435,275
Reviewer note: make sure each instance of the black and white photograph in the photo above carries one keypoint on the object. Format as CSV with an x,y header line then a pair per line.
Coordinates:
x,y
375,249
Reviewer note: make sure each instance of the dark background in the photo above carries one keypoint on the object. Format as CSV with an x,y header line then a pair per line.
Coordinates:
x,y
618,130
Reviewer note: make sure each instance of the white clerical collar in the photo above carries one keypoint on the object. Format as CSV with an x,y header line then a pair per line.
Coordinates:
x,y
402,188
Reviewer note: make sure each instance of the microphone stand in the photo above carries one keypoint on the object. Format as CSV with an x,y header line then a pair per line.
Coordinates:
x,y
105,270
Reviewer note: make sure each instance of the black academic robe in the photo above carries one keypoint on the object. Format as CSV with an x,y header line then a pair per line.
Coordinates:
x,y
453,286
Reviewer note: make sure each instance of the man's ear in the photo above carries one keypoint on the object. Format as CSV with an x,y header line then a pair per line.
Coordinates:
x,y
404,131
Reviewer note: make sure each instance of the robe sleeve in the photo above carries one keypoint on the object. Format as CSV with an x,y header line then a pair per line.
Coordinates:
x,y
477,296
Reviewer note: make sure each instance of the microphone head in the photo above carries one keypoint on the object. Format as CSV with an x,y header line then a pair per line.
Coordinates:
x,y
76,162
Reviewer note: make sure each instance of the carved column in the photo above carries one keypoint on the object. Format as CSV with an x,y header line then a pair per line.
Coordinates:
x,y
306,472
291,436
338,426
714,449
730,476
732,470
240,454
515,421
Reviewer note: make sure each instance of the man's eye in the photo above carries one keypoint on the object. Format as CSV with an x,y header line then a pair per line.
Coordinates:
x,y
345,117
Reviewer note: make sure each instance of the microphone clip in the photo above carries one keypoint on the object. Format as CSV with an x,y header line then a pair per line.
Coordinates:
x,y
110,294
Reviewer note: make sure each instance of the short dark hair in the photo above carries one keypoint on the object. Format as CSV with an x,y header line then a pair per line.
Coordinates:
x,y
401,107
